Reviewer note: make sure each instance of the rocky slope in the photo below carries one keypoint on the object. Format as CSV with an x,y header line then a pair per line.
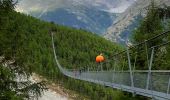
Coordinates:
x,y
55,91
126,22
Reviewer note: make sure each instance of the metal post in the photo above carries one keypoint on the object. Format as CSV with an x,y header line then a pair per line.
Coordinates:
x,y
146,48
134,65
98,67
168,86
118,73
114,66
114,70
120,81
150,68
130,68
101,65
123,65
107,64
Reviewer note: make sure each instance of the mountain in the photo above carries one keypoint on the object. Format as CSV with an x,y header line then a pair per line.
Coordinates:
x,y
122,28
90,19
95,16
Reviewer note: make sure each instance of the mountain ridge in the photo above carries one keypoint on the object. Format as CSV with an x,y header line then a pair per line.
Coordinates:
x,y
95,16
138,9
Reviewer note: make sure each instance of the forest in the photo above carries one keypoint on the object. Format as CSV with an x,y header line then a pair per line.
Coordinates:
x,y
27,41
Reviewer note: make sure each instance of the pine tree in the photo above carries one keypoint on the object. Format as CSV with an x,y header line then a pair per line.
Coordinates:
x,y
12,67
150,26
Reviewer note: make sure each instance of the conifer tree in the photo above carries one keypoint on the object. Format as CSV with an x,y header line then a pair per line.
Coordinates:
x,y
150,26
12,68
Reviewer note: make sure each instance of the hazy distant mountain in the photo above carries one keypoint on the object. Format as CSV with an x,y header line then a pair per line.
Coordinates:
x,y
80,17
92,15
122,27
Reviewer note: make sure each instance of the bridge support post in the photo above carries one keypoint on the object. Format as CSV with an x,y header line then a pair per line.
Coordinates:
x,y
134,65
150,68
130,69
168,86
114,71
101,66
146,48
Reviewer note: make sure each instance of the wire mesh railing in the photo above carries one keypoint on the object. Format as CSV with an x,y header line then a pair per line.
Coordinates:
x,y
133,69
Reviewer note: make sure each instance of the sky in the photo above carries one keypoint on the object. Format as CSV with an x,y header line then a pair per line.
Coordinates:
x,y
112,6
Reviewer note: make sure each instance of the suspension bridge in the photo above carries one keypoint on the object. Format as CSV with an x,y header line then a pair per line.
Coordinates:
x,y
154,84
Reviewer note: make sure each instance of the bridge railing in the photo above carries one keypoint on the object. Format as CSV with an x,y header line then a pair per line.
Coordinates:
x,y
133,69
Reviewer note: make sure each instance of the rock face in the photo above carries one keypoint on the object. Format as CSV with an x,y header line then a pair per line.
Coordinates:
x,y
126,22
